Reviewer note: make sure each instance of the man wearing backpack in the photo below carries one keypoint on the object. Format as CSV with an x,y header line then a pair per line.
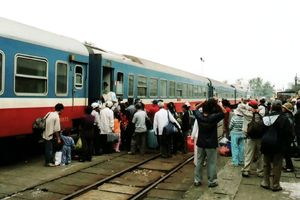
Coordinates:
x,y
275,142
252,152
52,127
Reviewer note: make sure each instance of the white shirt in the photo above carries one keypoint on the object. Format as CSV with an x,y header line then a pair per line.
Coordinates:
x,y
106,121
161,120
97,118
52,125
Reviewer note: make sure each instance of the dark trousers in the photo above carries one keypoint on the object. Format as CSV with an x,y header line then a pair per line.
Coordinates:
x,y
288,160
272,163
87,148
138,140
165,145
48,151
129,132
107,147
97,145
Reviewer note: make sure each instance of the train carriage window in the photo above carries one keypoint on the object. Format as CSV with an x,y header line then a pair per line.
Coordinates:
x,y
31,75
142,86
185,90
199,91
172,88
190,89
78,76
163,88
153,87
130,85
179,89
61,78
1,72
120,84
195,91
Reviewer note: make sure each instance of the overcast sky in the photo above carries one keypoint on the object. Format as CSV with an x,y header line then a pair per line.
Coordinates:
x,y
236,38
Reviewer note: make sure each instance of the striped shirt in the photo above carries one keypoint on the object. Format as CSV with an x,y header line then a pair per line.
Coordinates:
x,y
236,123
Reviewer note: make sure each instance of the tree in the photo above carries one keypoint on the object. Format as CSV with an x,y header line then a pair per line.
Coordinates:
x,y
256,86
261,89
268,90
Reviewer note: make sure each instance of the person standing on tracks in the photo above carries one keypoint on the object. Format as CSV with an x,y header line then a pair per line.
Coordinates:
x,y
106,126
140,132
186,127
161,119
96,114
252,144
129,111
52,128
207,141
87,135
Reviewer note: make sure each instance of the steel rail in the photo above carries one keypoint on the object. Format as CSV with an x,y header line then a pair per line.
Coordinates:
x,y
94,185
143,192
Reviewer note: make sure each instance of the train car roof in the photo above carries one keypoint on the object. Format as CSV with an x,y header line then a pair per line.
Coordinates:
x,y
18,31
144,63
220,84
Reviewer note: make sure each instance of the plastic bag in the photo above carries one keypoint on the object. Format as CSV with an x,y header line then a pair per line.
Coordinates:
x,y
57,157
223,141
78,144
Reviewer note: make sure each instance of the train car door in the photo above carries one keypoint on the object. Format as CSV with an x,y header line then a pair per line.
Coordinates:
x,y
107,80
79,89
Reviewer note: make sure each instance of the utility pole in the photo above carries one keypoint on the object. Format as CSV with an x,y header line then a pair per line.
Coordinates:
x,y
296,80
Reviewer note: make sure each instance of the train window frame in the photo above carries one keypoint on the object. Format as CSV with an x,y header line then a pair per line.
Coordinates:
x,y
184,89
150,82
195,91
122,84
161,88
174,89
190,90
133,88
2,71
78,85
56,65
46,78
145,87
179,89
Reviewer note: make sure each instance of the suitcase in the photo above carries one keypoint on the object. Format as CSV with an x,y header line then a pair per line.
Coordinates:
x,y
152,139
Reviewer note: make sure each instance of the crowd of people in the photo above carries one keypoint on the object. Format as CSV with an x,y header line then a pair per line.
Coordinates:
x,y
114,125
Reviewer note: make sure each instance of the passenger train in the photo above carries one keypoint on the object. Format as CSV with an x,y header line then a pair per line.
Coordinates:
x,y
39,69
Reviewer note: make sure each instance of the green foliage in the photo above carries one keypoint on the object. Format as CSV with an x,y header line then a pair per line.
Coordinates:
x,y
261,88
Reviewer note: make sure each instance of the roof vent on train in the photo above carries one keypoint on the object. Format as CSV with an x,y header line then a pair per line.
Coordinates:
x,y
134,59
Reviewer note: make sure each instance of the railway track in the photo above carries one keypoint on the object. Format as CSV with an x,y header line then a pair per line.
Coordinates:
x,y
134,182
104,173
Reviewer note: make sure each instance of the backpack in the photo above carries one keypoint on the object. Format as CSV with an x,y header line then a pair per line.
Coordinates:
x,y
270,143
39,124
256,126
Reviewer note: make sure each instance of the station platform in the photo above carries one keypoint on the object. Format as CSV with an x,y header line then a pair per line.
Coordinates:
x,y
232,186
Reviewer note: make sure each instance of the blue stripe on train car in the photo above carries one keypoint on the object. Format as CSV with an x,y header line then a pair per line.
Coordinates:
x,y
12,47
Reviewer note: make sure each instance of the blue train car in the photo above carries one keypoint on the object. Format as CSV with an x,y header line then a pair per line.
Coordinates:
x,y
132,77
37,70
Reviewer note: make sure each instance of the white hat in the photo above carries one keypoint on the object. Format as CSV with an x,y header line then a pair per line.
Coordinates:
x,y
161,104
95,105
187,104
109,104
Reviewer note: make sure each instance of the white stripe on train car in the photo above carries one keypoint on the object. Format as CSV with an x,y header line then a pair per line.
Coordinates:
x,y
8,103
